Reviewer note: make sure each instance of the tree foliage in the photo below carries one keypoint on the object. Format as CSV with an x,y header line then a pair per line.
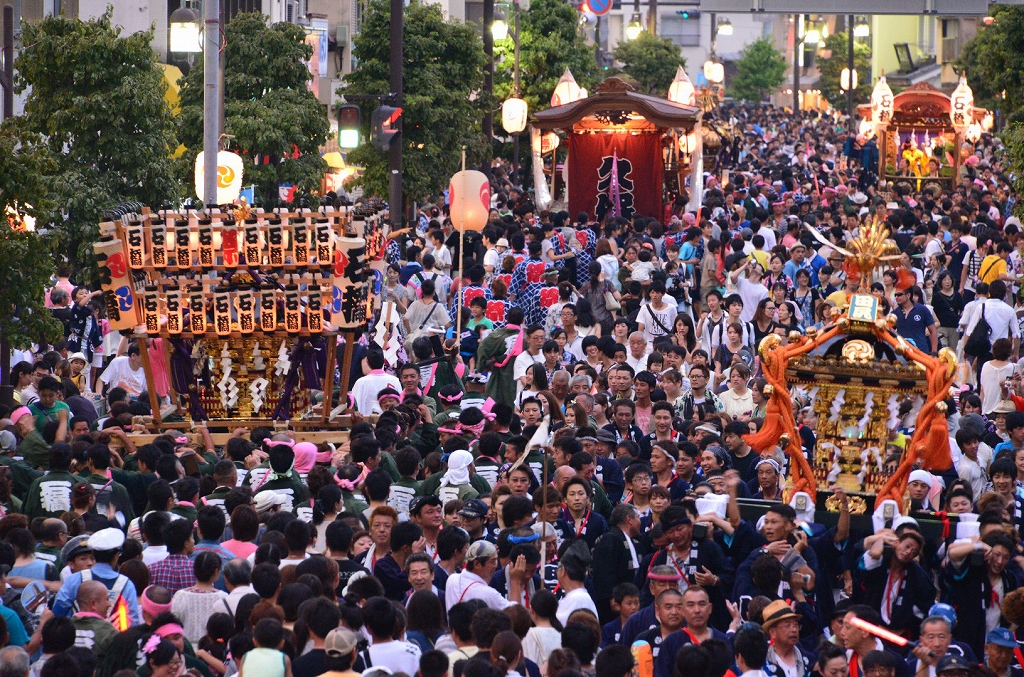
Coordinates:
x,y
268,108
442,110
651,61
1013,138
97,101
550,41
25,168
759,71
994,62
831,69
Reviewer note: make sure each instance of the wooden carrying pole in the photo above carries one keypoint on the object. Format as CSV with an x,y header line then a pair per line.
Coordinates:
x,y
147,367
332,352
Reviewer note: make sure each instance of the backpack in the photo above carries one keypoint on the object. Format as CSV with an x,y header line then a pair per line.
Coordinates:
x,y
978,343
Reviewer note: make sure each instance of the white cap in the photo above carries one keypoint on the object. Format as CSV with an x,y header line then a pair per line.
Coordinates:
x,y
921,476
107,539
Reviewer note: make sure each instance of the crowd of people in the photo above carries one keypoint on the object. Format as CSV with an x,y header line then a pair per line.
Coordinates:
x,y
546,481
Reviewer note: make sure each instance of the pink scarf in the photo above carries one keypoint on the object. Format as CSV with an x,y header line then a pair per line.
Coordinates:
x,y
517,348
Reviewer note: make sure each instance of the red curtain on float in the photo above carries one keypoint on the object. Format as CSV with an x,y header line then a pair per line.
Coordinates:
x,y
640,171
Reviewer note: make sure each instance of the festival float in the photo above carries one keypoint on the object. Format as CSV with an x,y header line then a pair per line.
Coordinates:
x,y
243,307
856,372
921,133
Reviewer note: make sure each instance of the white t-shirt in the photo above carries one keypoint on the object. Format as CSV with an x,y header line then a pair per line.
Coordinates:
x,y
751,294
396,656
366,387
491,259
443,255
119,374
575,599
522,363
666,317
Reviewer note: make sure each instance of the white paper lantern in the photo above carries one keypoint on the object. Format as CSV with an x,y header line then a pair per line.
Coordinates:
x,y
549,143
470,198
844,80
567,91
681,90
881,102
973,132
961,111
229,177
713,71
867,129
688,143
513,115
988,122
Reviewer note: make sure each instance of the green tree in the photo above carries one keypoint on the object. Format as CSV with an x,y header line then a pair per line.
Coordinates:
x,y
442,110
994,61
1013,137
97,99
831,69
25,170
759,71
550,41
268,108
651,61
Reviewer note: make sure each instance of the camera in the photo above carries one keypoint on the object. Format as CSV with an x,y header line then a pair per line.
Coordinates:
x,y
700,531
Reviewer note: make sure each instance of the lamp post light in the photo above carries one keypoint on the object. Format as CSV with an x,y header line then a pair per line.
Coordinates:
x,y
636,23
861,29
183,34
725,27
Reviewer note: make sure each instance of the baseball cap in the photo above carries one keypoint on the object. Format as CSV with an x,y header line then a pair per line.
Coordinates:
x,y
1001,637
107,539
340,642
8,442
19,412
417,503
481,550
266,500
474,508
951,662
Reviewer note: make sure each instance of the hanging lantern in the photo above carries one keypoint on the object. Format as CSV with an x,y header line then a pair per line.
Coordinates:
x,y
681,90
714,72
845,83
988,122
513,115
688,143
549,143
961,111
175,311
229,177
470,198
881,102
867,129
973,132
222,313
567,91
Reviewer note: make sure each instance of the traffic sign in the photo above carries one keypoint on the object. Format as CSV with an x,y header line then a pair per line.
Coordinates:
x,y
600,7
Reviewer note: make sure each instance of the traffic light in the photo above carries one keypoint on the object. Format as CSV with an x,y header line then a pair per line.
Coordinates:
x,y
385,122
688,14
348,126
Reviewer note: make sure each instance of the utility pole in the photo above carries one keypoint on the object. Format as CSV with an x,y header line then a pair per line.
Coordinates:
x,y
797,46
849,65
652,17
211,99
395,203
7,80
488,126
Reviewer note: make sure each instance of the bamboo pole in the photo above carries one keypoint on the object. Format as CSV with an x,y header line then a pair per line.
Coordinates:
x,y
147,367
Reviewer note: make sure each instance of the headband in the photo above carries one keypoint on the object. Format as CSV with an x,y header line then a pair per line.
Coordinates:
x,y
169,629
151,644
452,399
181,439
769,461
150,607
385,396
524,539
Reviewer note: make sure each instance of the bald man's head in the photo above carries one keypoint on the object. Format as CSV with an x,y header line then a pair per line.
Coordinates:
x,y
93,597
563,475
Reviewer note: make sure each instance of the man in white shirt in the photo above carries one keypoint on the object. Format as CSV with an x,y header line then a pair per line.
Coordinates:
x,y
474,581
638,352
124,372
572,572
237,579
1001,318
657,317
749,287
373,380
532,353
379,618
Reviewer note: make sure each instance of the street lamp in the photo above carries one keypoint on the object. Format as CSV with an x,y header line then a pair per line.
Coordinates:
x,y
845,82
635,26
725,27
499,27
861,29
183,34
714,71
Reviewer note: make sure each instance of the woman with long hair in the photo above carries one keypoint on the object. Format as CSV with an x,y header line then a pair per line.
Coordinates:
x,y
537,380
195,604
551,407
948,305
763,320
506,653
683,333
325,509
575,415
546,634
806,298
425,620
586,324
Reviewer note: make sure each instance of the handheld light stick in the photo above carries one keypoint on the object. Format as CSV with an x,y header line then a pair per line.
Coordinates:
x,y
884,634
